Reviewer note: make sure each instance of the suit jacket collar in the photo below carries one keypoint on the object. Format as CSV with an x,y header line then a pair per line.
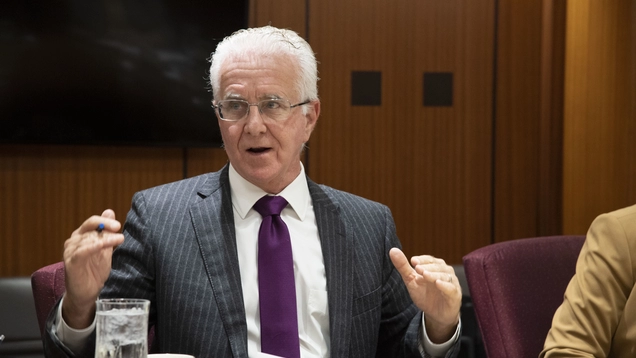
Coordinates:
x,y
213,221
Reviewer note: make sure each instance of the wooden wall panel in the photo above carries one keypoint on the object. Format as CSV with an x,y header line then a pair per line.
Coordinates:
x,y
47,191
430,165
517,130
599,143
204,160
550,206
289,14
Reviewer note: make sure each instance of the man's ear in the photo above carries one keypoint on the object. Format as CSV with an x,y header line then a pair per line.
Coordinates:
x,y
313,112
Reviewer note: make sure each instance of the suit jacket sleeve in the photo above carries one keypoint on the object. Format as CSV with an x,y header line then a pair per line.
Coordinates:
x,y
395,290
54,348
585,323
130,277
395,331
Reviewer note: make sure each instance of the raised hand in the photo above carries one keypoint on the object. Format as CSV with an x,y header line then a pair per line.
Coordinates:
x,y
87,261
434,288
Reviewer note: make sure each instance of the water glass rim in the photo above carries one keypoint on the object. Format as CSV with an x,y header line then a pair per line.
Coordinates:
x,y
123,300
122,303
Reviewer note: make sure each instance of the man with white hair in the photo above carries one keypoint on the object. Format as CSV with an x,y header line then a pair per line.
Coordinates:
x,y
195,249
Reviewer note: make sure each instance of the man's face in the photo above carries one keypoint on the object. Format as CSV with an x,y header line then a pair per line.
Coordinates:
x,y
264,151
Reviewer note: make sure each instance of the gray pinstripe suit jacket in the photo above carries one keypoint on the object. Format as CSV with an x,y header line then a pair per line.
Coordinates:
x,y
180,253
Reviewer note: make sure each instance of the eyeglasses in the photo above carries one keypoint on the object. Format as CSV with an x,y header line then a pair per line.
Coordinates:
x,y
236,109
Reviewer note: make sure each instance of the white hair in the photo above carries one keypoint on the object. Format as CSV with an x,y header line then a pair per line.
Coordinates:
x,y
268,40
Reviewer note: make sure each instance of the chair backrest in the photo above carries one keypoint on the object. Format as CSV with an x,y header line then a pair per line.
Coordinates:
x,y
516,286
18,322
48,287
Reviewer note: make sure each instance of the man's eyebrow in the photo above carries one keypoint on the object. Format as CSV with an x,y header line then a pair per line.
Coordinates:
x,y
233,96
270,96
263,97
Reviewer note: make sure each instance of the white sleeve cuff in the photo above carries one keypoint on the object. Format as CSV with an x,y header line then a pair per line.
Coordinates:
x,y
73,339
434,349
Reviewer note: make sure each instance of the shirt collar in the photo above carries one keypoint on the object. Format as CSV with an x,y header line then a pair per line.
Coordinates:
x,y
296,193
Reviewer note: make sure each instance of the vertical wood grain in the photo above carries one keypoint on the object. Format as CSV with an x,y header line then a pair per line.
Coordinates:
x,y
430,165
599,112
289,14
517,119
550,141
204,160
46,192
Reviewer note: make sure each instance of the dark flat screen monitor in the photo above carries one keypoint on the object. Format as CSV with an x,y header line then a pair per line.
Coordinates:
x,y
111,72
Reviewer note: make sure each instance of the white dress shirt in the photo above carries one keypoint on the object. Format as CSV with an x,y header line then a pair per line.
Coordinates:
x,y
310,277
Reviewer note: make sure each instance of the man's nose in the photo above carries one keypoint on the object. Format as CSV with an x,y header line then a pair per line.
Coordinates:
x,y
254,123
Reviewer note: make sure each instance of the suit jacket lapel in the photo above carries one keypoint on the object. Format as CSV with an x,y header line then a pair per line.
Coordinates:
x,y
213,222
337,250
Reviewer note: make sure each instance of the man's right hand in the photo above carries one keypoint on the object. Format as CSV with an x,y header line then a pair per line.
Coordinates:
x,y
87,261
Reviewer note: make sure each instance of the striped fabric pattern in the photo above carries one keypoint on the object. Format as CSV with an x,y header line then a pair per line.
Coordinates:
x,y
180,253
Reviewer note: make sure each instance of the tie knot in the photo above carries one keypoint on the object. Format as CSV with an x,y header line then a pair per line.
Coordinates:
x,y
270,205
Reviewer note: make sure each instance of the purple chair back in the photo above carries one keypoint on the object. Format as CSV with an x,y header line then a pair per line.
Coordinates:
x,y
48,285
516,286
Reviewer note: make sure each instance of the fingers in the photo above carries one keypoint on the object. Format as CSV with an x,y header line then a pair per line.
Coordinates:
x,y
449,286
87,261
432,285
426,268
91,243
108,213
446,281
434,268
444,273
87,240
401,263
431,264
107,219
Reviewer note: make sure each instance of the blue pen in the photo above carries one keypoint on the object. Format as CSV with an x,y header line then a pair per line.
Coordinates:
x,y
100,228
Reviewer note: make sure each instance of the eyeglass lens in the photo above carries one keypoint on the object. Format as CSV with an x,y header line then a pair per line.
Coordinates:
x,y
276,109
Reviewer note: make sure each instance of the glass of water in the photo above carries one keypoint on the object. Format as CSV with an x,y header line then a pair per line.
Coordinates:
x,y
122,328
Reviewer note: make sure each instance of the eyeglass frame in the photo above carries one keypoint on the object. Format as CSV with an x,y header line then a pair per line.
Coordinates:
x,y
249,105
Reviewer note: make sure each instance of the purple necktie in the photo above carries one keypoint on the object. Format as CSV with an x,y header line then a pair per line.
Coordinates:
x,y
277,290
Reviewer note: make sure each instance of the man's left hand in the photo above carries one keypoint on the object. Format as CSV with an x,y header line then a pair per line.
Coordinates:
x,y
435,289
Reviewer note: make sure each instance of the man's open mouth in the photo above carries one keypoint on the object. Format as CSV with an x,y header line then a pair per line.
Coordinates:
x,y
258,150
